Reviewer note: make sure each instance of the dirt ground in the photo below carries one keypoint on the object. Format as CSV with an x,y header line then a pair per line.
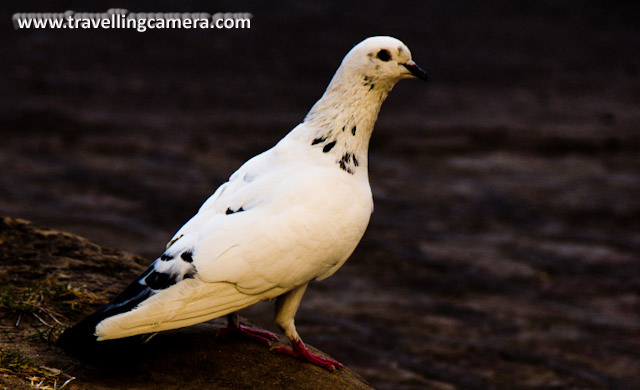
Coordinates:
x,y
52,279
504,250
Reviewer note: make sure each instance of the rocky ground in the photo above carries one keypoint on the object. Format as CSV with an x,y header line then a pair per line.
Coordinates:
x,y
504,251
52,279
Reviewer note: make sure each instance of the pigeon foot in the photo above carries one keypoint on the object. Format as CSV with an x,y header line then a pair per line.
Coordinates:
x,y
259,336
299,351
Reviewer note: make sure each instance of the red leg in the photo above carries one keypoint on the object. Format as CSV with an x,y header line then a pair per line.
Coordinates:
x,y
299,351
260,336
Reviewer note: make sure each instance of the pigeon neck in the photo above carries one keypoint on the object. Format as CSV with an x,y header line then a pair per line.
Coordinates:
x,y
342,121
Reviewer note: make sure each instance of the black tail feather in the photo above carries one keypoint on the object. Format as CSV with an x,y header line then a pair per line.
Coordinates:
x,y
81,337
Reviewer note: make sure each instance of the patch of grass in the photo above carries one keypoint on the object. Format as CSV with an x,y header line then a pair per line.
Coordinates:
x,y
14,364
49,335
48,302
47,297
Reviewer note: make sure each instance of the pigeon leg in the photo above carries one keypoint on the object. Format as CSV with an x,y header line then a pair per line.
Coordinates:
x,y
233,326
286,307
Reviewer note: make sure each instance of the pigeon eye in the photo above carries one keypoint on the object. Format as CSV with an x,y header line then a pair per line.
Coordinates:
x,y
384,55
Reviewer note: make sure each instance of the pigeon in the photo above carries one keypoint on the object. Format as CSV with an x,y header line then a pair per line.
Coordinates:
x,y
290,215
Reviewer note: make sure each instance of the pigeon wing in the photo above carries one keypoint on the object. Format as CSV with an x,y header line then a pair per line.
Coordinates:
x,y
254,240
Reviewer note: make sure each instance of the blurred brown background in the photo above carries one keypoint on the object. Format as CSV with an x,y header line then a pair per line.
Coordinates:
x,y
504,251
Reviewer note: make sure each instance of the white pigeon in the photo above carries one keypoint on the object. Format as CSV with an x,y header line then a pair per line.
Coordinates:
x,y
288,216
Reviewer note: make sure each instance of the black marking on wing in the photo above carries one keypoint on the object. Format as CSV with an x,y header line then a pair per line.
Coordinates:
x,y
353,130
318,140
157,280
355,161
160,280
329,146
187,256
166,257
229,211
130,297
344,127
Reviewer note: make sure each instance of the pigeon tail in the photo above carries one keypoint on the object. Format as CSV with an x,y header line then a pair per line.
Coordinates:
x,y
81,336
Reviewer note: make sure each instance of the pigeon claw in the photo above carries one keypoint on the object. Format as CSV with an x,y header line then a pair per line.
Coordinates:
x,y
259,336
299,351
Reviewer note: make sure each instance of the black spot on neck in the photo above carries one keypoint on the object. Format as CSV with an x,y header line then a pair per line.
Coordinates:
x,y
368,82
353,130
328,147
344,163
318,140
187,256
229,211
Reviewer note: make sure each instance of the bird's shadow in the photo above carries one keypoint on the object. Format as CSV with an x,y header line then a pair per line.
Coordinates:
x,y
195,358
170,349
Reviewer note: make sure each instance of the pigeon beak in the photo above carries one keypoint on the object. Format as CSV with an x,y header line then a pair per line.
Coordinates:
x,y
416,70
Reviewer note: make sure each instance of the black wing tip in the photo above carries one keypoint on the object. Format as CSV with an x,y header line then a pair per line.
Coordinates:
x,y
80,336
80,341
71,341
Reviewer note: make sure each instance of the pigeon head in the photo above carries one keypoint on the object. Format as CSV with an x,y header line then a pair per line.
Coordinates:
x,y
383,59
342,121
